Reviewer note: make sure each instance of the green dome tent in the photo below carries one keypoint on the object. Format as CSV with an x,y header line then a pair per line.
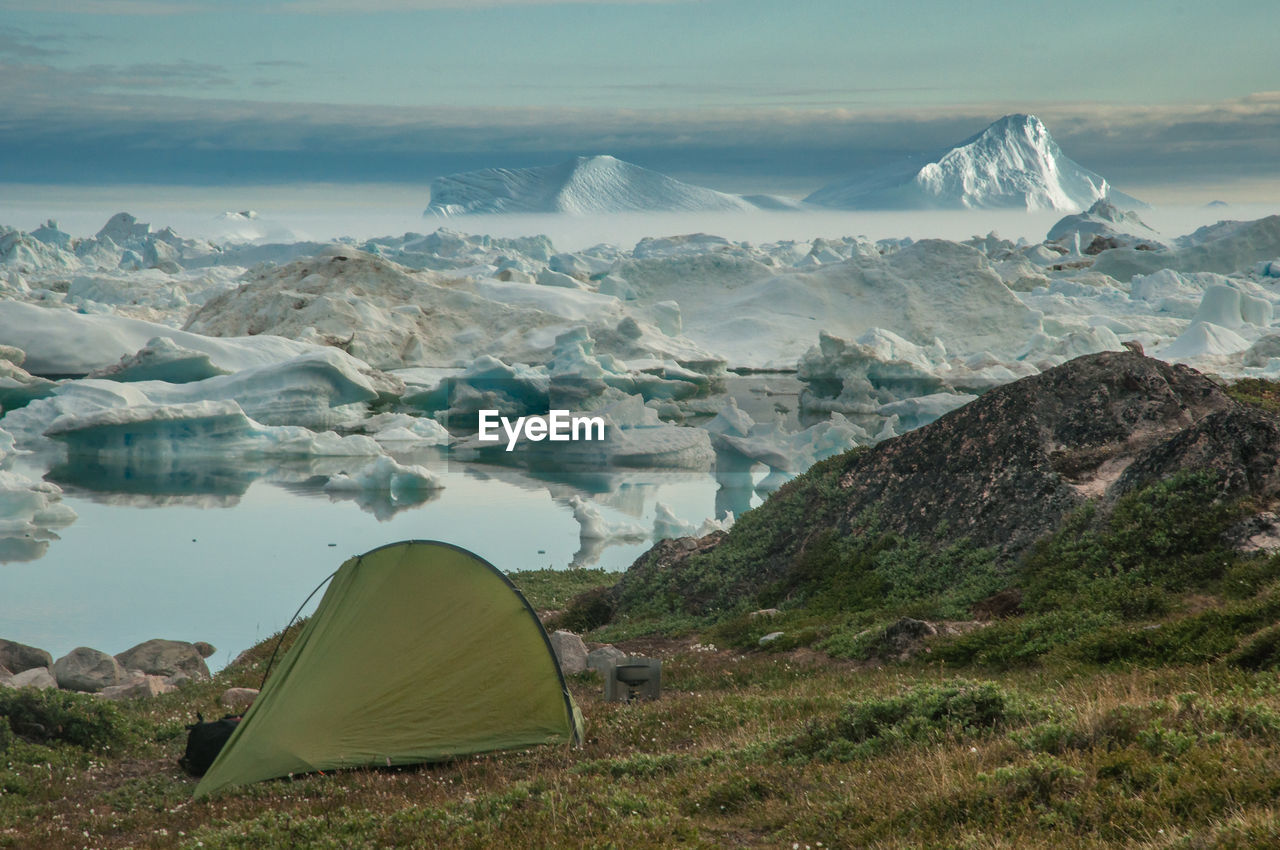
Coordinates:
x,y
419,651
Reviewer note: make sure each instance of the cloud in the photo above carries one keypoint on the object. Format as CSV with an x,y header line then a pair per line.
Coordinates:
x,y
23,45
34,87
329,7
143,136
107,7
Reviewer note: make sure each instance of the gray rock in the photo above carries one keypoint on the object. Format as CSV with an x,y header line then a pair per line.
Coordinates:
x,y
238,699
205,648
763,612
570,651
770,638
40,678
19,657
160,657
88,670
142,687
604,657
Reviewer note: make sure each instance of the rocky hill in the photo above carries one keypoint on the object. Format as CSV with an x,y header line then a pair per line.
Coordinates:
x,y
1000,472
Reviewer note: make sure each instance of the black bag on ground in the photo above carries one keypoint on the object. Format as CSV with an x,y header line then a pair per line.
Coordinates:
x,y
205,741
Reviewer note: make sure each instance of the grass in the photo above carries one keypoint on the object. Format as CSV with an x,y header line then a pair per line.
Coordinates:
x,y
754,750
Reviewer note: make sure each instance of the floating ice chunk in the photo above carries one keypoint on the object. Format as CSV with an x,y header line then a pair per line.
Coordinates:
x,y
1203,339
859,376
26,253
385,487
1228,307
316,390
1101,227
731,421
61,342
1225,247
161,359
618,287
547,277
405,431
161,433
50,234
387,475
1046,351
17,386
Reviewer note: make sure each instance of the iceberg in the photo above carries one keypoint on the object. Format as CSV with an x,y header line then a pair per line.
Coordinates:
x,y
173,433
1013,163
584,185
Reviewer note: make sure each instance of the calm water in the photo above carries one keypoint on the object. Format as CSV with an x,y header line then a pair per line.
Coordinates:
x,y
228,555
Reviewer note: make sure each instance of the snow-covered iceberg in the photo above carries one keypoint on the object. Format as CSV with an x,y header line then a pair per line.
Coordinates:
x,y
1013,163
583,185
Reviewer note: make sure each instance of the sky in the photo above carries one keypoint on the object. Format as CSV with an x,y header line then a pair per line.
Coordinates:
x,y
744,95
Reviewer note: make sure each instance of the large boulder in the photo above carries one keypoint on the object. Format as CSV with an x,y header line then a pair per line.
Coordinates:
x,y
140,687
88,670
40,678
159,657
19,657
238,699
570,651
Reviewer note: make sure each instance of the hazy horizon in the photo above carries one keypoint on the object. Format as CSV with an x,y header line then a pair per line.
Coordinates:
x,y
738,95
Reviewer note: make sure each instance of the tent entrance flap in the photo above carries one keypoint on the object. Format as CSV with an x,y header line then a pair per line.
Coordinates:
x,y
419,651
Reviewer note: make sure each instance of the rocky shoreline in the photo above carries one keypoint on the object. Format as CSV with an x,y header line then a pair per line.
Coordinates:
x,y
149,669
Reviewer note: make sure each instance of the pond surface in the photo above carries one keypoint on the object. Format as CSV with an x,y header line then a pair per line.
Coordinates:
x,y
228,555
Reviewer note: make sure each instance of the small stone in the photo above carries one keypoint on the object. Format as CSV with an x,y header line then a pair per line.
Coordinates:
x,y
763,612
770,638
571,652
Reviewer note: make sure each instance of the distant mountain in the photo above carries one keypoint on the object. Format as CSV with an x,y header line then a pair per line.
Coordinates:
x,y
1013,164
582,185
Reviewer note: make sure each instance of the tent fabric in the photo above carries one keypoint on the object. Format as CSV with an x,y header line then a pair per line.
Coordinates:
x,y
419,651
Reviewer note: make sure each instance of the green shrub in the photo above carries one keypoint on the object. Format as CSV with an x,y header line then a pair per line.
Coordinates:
x,y
1165,538
1020,641
586,612
1259,651
51,715
927,712
1045,781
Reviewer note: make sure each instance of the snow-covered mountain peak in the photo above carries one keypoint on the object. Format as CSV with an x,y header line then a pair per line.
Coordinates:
x,y
1013,163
